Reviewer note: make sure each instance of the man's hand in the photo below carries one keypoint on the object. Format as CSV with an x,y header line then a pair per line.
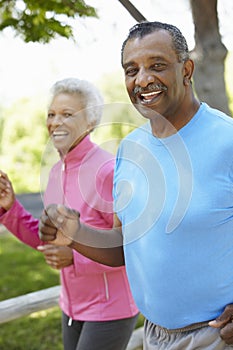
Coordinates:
x,y
57,257
58,225
225,322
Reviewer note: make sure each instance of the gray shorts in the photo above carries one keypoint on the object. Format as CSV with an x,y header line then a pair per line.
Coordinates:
x,y
206,338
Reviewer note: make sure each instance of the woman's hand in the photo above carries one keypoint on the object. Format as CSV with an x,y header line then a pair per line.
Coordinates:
x,y
7,194
57,257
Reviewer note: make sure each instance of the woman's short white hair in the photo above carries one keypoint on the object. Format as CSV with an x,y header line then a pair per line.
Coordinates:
x,y
93,100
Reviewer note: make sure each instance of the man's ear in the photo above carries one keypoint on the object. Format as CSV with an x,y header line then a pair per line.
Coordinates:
x,y
188,71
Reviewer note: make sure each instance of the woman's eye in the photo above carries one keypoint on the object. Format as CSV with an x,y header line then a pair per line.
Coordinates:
x,y
67,115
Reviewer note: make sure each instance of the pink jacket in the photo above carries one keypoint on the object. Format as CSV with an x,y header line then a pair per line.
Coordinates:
x,y
89,290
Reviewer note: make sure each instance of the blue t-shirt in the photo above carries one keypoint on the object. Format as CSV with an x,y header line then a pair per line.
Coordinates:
x,y
174,197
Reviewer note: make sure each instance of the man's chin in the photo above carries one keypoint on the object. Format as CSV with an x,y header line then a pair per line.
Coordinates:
x,y
147,112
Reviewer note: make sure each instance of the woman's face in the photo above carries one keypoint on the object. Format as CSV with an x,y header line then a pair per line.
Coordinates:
x,y
66,121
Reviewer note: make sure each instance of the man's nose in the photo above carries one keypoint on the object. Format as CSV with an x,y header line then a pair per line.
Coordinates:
x,y
144,78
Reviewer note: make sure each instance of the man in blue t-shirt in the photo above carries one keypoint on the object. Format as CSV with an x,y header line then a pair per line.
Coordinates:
x,y
173,195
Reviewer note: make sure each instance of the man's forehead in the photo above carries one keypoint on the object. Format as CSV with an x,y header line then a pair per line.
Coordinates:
x,y
156,35
153,44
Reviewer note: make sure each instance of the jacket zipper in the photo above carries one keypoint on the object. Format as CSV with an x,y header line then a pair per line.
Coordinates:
x,y
63,202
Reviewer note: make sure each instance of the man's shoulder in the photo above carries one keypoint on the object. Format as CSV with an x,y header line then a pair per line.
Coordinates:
x,y
218,114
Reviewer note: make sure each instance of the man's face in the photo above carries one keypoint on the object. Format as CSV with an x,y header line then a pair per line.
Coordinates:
x,y
154,78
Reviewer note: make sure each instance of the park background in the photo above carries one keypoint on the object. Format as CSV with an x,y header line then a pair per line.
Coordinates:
x,y
27,71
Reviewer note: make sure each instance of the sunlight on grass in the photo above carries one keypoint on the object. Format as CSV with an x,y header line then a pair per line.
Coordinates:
x,y
43,313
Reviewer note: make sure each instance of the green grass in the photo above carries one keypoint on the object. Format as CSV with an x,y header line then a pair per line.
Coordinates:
x,y
23,270
40,331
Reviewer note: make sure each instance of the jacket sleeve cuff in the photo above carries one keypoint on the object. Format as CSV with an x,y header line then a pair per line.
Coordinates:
x,y
4,213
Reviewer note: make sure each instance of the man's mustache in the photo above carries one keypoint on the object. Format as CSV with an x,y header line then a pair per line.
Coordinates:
x,y
149,88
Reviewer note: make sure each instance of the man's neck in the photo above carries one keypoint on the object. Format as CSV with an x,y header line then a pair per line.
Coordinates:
x,y
166,126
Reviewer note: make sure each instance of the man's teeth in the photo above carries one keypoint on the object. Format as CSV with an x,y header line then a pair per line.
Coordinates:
x,y
148,94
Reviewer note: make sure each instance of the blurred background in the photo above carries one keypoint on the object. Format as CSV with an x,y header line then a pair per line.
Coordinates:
x,y
45,41
30,63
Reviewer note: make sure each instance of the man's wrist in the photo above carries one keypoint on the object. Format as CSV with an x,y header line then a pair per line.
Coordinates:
x,y
74,239
72,244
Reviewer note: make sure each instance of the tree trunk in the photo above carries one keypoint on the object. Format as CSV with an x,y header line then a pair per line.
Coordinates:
x,y
209,55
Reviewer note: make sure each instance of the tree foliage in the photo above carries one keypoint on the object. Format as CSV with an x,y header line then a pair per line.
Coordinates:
x,y
40,20
24,136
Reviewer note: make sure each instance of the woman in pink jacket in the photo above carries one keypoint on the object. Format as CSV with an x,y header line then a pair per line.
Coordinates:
x,y
98,311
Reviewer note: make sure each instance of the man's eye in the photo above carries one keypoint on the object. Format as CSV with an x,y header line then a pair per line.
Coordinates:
x,y
130,72
50,115
159,66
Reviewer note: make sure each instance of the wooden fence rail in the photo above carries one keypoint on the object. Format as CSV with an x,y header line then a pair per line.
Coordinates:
x,y
24,305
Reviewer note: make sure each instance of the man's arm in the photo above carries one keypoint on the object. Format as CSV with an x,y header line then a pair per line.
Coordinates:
x,y
61,226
